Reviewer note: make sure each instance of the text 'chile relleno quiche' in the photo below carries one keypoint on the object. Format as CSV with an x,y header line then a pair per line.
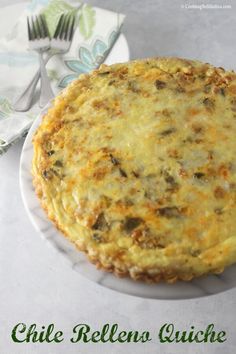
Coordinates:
x,y
135,164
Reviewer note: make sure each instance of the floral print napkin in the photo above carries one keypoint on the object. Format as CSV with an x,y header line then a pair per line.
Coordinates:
x,y
96,32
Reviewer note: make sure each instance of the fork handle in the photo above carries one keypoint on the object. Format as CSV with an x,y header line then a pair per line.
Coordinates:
x,y
46,93
24,101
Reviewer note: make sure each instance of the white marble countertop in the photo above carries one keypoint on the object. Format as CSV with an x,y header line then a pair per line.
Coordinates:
x,y
38,286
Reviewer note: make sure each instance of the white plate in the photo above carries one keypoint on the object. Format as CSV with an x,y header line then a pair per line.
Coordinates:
x,y
200,287
9,16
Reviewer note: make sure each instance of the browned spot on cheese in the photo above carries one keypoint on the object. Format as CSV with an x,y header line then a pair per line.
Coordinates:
x,y
219,192
100,173
197,128
174,153
232,89
146,240
183,173
193,111
223,170
97,104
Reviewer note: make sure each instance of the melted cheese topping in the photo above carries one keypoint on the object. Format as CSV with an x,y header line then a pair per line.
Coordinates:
x,y
135,163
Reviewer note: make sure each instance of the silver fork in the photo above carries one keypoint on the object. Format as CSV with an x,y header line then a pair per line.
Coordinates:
x,y
61,41
60,44
39,40
63,35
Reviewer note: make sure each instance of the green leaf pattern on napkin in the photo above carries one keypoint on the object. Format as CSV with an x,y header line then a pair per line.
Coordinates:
x,y
87,21
53,75
53,11
5,107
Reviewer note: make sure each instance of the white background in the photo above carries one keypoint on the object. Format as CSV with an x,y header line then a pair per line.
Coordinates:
x,y
37,285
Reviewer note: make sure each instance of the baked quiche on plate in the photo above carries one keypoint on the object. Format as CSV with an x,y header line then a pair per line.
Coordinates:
x,y
135,164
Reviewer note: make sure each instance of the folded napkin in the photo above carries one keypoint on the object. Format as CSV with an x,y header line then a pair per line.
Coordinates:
x,y
96,32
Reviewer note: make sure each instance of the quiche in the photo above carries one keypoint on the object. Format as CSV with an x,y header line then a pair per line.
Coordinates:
x,y
135,164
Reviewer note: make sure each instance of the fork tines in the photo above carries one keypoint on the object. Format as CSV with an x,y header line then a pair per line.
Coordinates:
x,y
37,27
65,27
